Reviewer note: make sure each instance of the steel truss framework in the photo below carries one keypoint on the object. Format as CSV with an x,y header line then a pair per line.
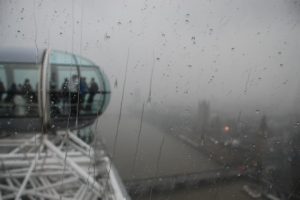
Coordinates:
x,y
55,167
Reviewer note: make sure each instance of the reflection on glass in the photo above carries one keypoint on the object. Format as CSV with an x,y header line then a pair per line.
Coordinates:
x,y
18,97
76,89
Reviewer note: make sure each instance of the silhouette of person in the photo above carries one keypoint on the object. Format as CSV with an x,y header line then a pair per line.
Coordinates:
x,y
54,99
27,90
92,92
84,89
73,88
34,94
2,90
11,93
65,92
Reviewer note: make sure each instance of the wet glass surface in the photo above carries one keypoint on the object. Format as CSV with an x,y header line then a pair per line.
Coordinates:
x,y
190,99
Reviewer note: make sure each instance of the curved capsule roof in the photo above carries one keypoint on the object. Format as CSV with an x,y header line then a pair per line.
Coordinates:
x,y
64,58
21,55
33,55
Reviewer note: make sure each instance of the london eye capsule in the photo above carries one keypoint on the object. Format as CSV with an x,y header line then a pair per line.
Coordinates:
x,y
49,88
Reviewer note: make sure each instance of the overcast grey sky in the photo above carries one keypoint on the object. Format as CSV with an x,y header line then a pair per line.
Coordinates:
x,y
241,54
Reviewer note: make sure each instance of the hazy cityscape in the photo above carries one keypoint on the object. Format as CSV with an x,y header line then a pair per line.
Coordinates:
x,y
150,99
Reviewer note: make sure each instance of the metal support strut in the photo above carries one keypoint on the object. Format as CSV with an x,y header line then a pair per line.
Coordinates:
x,y
55,167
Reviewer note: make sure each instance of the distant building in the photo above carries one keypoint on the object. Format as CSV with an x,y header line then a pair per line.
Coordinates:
x,y
203,114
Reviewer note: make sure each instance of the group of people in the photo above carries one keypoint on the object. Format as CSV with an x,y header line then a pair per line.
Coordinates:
x,y
23,89
74,91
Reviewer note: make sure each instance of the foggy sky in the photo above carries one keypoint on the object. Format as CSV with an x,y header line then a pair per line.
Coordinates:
x,y
239,55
